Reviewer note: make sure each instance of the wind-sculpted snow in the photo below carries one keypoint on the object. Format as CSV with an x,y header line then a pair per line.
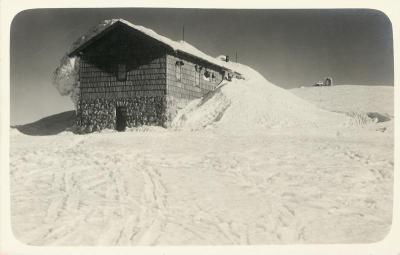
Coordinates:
x,y
65,78
254,102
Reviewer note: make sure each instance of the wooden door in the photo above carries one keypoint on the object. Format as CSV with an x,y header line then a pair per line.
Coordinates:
x,y
120,118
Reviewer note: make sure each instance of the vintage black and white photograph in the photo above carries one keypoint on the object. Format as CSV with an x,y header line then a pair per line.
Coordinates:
x,y
169,126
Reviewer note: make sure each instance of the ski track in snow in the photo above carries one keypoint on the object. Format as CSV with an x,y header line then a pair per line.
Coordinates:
x,y
202,187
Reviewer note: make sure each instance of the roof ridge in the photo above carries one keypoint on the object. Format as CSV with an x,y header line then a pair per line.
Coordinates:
x,y
181,46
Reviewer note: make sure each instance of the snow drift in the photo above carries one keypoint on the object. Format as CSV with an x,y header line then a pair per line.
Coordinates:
x,y
254,102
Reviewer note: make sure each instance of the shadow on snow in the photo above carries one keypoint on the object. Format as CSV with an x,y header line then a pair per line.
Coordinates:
x,y
51,125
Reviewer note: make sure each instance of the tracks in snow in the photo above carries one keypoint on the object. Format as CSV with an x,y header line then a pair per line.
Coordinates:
x,y
154,206
204,191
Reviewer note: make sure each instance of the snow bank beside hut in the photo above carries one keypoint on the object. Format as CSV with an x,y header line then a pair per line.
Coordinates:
x,y
251,103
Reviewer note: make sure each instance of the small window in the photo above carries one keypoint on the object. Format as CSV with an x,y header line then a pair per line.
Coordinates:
x,y
178,70
228,76
213,77
197,75
206,75
121,72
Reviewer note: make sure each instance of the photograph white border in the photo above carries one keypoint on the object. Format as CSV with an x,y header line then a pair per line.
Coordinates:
x,y
9,245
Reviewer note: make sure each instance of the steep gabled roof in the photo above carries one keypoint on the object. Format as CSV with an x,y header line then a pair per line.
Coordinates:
x,y
181,46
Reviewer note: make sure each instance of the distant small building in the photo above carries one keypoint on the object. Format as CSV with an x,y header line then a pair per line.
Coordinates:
x,y
131,76
327,82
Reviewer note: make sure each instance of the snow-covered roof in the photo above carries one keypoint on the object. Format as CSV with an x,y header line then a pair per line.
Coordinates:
x,y
180,46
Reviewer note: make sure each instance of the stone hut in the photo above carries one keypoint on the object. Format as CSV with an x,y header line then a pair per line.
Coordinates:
x,y
131,76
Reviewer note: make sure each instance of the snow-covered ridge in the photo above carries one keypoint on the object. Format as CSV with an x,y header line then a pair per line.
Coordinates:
x,y
350,98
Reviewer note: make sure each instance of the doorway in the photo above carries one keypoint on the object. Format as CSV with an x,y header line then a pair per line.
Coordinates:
x,y
120,118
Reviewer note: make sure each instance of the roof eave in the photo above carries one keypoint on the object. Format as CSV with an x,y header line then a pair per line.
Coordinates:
x,y
76,51
205,60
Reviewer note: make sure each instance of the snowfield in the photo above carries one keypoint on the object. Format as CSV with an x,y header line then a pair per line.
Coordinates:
x,y
350,98
250,163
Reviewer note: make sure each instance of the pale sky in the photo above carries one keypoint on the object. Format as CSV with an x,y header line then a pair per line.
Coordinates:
x,y
291,48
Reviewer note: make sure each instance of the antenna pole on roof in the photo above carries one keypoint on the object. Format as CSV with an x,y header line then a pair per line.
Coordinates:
x,y
183,33
236,56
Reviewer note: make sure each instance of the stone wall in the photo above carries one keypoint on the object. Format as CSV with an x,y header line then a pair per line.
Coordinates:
x,y
142,90
100,113
151,90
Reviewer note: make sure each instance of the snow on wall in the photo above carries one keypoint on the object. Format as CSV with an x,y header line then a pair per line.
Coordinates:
x,y
65,78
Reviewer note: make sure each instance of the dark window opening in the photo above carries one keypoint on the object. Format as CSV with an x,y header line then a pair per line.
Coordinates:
x,y
206,75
